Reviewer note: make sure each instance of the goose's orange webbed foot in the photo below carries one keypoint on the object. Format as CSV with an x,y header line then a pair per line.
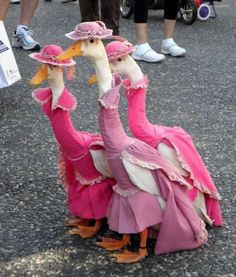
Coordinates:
x,y
93,79
86,231
114,244
74,222
128,257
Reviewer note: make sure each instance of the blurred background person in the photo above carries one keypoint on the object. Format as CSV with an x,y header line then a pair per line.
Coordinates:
x,y
23,35
110,12
143,50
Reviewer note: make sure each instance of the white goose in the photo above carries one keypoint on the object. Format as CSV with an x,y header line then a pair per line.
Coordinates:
x,y
161,137
83,169
147,185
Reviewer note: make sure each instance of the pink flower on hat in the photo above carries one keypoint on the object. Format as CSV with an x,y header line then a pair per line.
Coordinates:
x,y
118,49
87,30
47,55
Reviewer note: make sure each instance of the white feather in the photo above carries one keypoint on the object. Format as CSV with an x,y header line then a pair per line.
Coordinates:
x,y
100,162
142,178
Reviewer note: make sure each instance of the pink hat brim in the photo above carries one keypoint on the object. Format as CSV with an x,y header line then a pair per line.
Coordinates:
x,y
118,48
116,55
38,57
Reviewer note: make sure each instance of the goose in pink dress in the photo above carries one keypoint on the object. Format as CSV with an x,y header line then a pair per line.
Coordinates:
x,y
173,143
149,190
82,167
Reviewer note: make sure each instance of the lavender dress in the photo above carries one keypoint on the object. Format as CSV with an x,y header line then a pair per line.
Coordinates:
x,y
132,209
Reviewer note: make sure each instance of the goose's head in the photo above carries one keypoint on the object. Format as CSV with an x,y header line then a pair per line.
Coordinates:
x,y
119,59
87,37
91,48
121,62
118,56
51,69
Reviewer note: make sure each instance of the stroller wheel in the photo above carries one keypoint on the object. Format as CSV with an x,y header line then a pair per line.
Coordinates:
x,y
188,11
204,12
126,8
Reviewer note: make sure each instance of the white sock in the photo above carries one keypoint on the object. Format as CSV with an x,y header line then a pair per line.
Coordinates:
x,y
168,42
141,48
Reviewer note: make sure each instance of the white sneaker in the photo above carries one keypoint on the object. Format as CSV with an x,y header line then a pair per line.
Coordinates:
x,y
22,38
15,1
145,53
169,47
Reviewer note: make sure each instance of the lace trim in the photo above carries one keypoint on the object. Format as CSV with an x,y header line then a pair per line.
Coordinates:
x,y
42,102
86,182
110,100
57,105
107,105
143,83
196,184
51,58
65,108
62,169
203,235
152,166
125,192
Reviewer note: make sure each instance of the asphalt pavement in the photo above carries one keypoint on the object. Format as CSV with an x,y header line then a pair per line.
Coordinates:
x,y
196,92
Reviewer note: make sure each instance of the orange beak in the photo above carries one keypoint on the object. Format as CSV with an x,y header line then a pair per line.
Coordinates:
x,y
39,76
72,51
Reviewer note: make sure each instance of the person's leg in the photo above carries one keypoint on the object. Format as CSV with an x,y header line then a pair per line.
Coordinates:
x,y
23,35
28,8
110,11
140,20
141,33
169,28
4,4
170,15
89,10
143,50
168,44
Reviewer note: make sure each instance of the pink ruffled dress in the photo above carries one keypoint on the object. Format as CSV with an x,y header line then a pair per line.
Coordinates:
x,y
89,192
131,209
174,137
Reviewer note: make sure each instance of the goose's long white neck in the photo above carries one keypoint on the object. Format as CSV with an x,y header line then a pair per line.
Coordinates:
x,y
132,70
103,73
57,87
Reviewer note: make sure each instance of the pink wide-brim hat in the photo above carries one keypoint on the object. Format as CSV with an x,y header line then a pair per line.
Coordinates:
x,y
88,30
118,49
48,55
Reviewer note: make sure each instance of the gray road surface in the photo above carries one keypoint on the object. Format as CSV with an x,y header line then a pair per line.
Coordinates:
x,y
196,92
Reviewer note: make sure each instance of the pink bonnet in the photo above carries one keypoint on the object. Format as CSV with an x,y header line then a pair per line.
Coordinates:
x,y
118,49
47,55
87,30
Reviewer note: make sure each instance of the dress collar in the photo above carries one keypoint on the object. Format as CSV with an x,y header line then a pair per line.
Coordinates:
x,y
66,101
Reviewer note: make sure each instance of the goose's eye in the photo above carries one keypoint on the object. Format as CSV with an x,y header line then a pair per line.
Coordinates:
x,y
91,41
119,60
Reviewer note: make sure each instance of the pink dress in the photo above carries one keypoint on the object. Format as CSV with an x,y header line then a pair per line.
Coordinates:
x,y
131,209
89,192
177,138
